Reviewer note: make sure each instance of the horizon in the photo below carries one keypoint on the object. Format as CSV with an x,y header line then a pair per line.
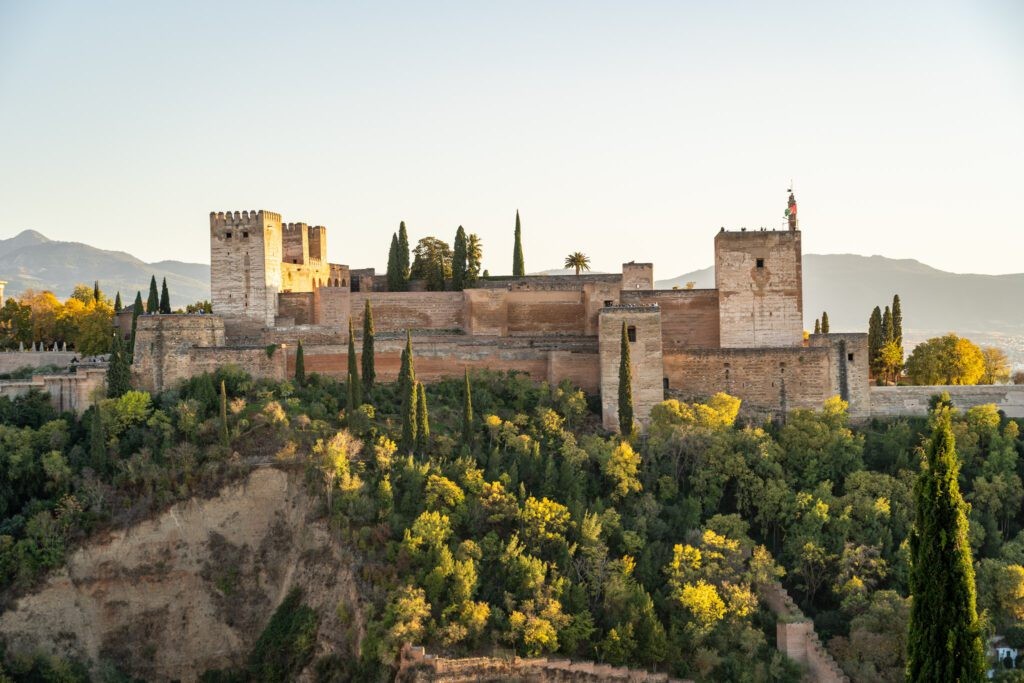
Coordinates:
x,y
651,124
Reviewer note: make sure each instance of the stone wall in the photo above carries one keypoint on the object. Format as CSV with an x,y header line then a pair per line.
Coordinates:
x,y
71,392
689,317
245,264
15,360
645,356
399,311
637,276
298,306
849,369
775,380
796,638
759,279
913,401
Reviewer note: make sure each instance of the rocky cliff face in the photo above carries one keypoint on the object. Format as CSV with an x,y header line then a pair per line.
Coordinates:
x,y
192,589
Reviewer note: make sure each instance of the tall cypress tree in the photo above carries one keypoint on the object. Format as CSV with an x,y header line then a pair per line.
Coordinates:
x,y
117,303
394,276
625,386
119,372
351,400
897,321
459,260
410,406
944,639
153,302
403,256
467,414
887,329
225,436
136,312
96,294
824,322
875,340
422,420
369,369
165,298
518,265
817,326
97,441
353,368
300,365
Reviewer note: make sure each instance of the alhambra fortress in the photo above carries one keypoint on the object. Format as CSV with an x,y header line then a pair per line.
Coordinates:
x,y
272,287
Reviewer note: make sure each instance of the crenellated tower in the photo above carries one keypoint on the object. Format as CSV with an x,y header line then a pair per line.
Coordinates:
x,y
245,264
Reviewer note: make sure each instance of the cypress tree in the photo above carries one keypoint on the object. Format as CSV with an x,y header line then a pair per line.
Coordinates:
x,y
422,420
136,312
817,326
824,322
300,365
96,291
625,386
887,330
460,264
351,400
403,255
410,407
117,303
394,277
369,371
875,341
353,368
944,638
467,414
897,322
518,265
119,372
97,441
165,298
153,302
224,435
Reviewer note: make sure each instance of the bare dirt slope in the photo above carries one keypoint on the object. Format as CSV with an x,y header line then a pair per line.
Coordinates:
x,y
192,589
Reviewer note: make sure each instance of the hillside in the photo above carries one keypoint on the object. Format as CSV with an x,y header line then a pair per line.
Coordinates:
x,y
30,260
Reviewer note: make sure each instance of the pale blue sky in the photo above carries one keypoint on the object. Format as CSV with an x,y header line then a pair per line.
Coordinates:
x,y
627,130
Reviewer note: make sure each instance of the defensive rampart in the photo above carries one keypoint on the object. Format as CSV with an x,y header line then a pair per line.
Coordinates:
x,y
913,401
16,360
72,392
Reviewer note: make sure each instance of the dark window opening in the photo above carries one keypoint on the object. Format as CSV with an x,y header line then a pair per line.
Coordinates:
x,y
355,285
609,302
245,234
227,235
631,333
664,383
760,263
295,260
849,357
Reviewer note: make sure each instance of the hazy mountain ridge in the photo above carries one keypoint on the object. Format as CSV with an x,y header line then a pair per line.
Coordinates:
x,y
30,260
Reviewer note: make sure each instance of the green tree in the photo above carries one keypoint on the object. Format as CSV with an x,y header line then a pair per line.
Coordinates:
x,y
165,298
824,322
117,303
403,254
119,372
890,359
422,420
394,274
96,294
622,468
97,441
474,257
225,436
410,406
876,339
136,312
353,369
946,360
153,302
577,261
625,386
897,322
887,329
432,262
467,414
460,260
518,264
817,326
369,362
944,639
300,365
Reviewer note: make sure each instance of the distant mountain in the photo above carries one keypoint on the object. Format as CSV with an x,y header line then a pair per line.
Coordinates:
x,y
30,260
986,308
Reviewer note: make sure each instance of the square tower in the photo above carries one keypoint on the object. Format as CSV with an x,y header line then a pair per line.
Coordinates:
x,y
759,277
245,264
643,330
637,276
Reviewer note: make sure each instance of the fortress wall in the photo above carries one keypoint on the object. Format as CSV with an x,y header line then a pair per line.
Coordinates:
x,y
913,401
582,369
304,277
645,355
849,369
162,345
689,317
297,306
549,312
486,312
399,311
334,305
778,379
15,360
72,392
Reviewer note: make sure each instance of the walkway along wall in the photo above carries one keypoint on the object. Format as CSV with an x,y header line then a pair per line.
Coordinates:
x,y
913,401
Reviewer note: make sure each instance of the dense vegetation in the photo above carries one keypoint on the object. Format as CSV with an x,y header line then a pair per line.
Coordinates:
x,y
530,529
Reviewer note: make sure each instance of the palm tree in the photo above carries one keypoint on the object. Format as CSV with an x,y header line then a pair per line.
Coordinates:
x,y
578,261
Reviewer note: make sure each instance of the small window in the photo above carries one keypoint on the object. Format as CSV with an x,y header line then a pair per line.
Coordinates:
x,y
631,333
227,235
760,263
664,383
609,302
295,260
849,357
245,234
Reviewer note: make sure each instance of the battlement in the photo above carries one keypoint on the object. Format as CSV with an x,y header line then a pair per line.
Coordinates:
x,y
223,219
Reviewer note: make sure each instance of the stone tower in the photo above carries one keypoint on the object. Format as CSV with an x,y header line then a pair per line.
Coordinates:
x,y
245,264
759,279
643,326
3,283
637,276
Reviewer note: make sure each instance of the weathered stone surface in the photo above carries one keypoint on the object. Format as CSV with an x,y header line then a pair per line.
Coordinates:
x,y
907,401
644,324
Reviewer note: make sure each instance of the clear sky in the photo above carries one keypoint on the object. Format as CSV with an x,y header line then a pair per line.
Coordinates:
x,y
626,130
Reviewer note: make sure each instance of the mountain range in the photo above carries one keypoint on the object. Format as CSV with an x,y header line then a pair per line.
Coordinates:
x,y
985,308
